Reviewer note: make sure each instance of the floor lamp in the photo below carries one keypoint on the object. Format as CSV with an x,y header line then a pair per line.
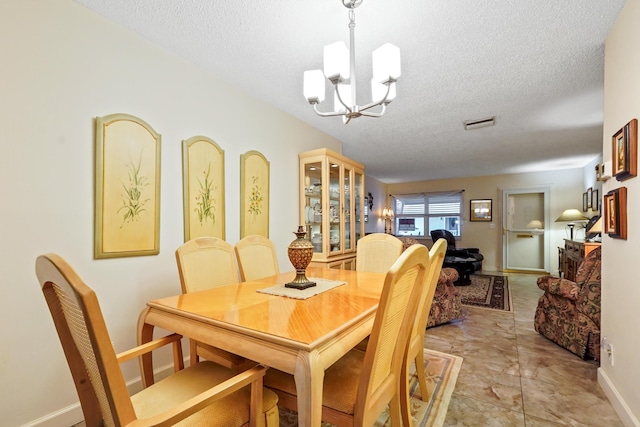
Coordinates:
x,y
570,216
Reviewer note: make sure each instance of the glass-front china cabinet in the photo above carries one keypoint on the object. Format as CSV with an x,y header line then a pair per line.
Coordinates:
x,y
331,206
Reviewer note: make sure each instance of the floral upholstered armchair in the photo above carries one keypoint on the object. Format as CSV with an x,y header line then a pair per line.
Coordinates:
x,y
446,305
568,312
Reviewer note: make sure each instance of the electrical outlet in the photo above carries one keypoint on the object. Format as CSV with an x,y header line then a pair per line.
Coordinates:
x,y
608,349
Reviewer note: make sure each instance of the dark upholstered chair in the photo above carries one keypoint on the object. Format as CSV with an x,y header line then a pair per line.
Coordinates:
x,y
446,305
452,251
568,312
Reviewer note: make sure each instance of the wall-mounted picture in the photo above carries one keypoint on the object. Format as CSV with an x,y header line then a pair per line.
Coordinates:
x,y
480,210
203,188
624,151
254,194
127,204
595,201
615,213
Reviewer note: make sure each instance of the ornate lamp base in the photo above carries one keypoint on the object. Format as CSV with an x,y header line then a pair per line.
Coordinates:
x,y
300,282
300,253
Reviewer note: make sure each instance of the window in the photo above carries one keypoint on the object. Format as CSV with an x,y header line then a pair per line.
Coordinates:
x,y
418,214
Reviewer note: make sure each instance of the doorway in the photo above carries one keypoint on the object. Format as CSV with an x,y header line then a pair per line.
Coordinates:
x,y
525,229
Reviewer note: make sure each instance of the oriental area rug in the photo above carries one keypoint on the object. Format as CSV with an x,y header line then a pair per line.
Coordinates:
x,y
441,371
487,292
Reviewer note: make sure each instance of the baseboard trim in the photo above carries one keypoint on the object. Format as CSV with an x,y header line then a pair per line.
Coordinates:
x,y
72,414
618,403
68,416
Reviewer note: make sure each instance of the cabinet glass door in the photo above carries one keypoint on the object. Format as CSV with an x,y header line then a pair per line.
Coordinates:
x,y
313,203
348,208
335,206
358,190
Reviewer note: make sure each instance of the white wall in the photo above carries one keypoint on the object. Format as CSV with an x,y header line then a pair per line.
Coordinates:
x,y
375,224
620,287
62,66
566,186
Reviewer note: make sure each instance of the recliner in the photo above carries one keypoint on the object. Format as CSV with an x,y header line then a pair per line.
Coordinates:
x,y
458,252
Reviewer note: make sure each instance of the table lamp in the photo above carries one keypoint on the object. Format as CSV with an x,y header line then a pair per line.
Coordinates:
x,y
571,216
596,230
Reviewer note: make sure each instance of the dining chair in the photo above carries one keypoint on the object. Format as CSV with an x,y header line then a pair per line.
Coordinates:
x,y
205,263
359,386
256,257
205,394
377,252
415,349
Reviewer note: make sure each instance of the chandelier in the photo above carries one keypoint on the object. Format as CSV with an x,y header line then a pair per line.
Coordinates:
x,y
340,70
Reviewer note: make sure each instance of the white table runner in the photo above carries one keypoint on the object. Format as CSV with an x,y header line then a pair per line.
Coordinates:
x,y
322,285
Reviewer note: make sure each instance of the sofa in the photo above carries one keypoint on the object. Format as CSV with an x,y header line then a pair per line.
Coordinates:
x,y
568,312
446,305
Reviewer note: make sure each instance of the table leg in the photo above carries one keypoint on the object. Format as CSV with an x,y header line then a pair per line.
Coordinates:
x,y
309,377
145,335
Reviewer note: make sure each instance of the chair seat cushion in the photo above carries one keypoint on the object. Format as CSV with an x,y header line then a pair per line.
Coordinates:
x,y
187,383
341,382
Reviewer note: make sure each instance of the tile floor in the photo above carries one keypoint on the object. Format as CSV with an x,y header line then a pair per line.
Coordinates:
x,y
512,376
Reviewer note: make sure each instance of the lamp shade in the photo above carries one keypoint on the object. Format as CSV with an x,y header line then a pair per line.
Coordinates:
x,y
597,227
313,87
336,61
536,223
386,63
571,215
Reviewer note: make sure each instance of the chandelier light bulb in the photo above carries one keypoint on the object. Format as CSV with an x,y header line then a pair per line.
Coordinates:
x,y
386,63
313,87
336,62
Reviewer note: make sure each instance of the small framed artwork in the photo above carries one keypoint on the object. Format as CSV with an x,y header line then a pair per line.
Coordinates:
x,y
624,151
595,201
254,194
585,206
615,213
480,210
203,188
127,187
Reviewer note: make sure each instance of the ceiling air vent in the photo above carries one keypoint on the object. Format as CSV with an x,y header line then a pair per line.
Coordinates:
x,y
481,123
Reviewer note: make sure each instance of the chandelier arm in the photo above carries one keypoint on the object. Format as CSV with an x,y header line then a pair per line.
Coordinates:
x,y
349,109
372,114
328,113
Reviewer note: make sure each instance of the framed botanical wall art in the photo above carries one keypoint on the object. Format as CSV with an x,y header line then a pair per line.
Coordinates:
x,y
595,201
615,213
624,151
254,194
203,188
480,210
127,193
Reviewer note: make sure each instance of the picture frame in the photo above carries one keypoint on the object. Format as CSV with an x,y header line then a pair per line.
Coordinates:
x,y
254,194
203,188
595,201
615,213
624,151
585,206
480,210
127,187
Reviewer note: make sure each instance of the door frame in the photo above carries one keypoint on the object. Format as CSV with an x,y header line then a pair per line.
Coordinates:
x,y
506,192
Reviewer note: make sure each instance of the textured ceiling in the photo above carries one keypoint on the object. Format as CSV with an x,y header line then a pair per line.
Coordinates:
x,y
537,65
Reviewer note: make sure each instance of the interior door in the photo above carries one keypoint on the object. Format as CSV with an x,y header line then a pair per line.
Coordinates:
x,y
525,230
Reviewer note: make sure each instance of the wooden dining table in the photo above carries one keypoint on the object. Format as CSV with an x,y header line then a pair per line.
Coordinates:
x,y
302,337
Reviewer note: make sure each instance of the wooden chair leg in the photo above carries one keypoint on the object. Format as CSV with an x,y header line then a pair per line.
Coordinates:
x,y
193,352
422,379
